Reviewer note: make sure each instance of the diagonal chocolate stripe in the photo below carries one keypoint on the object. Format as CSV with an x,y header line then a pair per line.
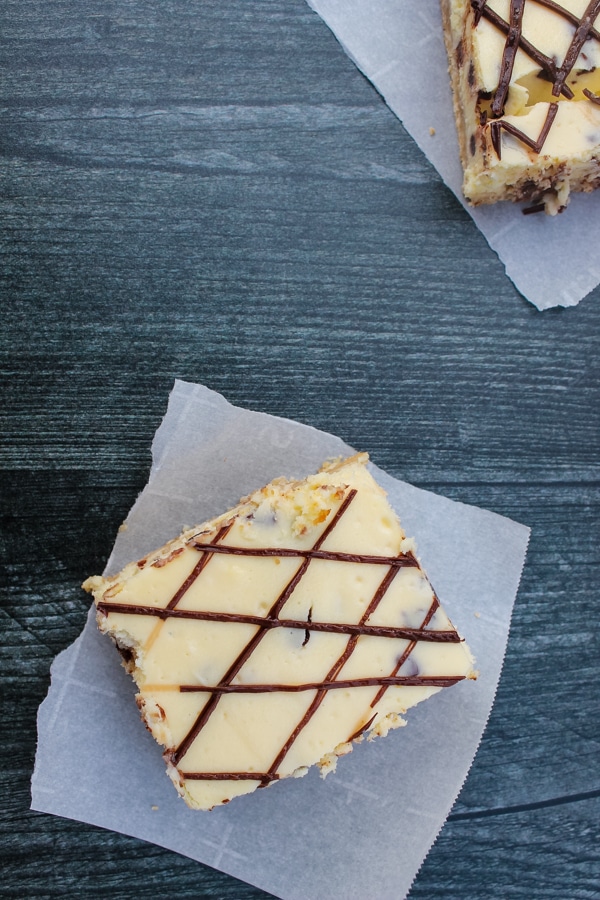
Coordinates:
x,y
387,631
335,669
229,776
326,685
566,14
499,125
194,574
403,560
545,63
362,729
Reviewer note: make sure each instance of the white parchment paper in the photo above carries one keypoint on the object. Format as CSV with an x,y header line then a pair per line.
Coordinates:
x,y
399,47
371,822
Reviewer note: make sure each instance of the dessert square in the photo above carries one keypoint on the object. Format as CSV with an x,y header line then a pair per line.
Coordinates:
x,y
271,638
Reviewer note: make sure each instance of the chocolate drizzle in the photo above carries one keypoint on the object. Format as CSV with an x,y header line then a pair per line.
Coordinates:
x,y
557,75
202,562
228,683
430,614
399,562
546,64
499,125
332,674
508,57
268,622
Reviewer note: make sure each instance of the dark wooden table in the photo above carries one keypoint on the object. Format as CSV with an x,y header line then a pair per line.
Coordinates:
x,y
211,191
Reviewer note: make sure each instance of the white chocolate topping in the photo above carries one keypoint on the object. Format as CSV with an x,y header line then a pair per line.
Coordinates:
x,y
287,628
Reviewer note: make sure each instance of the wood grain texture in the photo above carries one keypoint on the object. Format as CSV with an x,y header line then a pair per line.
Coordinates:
x,y
211,191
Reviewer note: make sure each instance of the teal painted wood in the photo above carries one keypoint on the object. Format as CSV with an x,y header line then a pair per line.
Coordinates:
x,y
211,191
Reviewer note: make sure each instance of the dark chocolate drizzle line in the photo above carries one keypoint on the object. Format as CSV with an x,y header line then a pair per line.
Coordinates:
x,y
508,57
307,630
582,33
328,684
545,63
429,616
177,755
584,30
566,14
500,124
270,623
478,7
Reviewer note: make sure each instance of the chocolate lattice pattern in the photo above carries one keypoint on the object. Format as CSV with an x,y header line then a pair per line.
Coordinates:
x,y
583,30
391,566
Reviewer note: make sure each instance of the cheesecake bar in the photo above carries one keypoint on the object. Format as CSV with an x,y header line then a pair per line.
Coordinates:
x,y
271,638
526,85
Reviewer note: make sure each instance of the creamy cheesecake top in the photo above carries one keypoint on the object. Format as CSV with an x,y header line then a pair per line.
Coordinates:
x,y
269,639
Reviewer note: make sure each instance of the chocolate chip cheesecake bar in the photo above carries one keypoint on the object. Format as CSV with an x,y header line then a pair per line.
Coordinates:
x,y
271,638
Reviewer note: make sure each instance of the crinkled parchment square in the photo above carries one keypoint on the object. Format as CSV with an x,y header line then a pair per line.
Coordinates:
x,y
373,821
